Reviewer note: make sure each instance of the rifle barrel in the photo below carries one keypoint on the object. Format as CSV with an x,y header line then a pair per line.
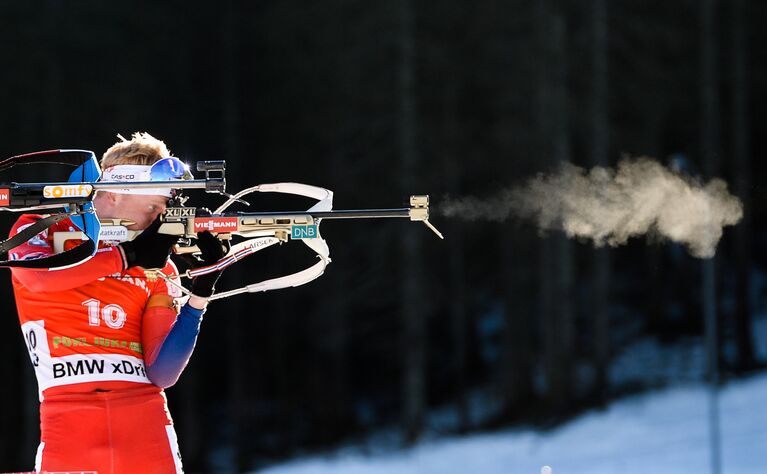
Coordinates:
x,y
334,214
362,213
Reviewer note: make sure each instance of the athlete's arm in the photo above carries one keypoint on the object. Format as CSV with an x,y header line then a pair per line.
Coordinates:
x,y
168,341
168,338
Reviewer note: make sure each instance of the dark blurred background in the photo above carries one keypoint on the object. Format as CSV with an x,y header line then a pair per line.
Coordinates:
x,y
495,326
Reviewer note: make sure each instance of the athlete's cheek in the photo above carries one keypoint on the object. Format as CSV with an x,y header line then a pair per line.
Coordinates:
x,y
143,221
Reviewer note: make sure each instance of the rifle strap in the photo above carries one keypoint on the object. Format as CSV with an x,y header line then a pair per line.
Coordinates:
x,y
63,259
31,231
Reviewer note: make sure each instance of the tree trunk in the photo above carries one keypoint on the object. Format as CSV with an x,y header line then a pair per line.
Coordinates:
x,y
710,144
412,308
236,360
741,128
456,260
710,150
599,157
556,250
339,395
516,377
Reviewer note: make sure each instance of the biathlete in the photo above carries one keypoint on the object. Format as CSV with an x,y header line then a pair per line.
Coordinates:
x,y
104,337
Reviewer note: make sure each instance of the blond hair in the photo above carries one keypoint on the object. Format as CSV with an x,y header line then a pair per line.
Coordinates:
x,y
141,149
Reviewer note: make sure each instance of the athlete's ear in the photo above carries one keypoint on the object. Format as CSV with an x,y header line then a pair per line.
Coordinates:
x,y
115,200
105,202
105,196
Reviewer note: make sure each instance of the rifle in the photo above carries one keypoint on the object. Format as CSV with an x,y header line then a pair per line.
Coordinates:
x,y
258,230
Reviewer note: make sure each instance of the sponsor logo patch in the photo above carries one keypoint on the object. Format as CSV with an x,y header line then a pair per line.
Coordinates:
x,y
117,233
215,224
122,177
5,197
303,232
67,190
180,212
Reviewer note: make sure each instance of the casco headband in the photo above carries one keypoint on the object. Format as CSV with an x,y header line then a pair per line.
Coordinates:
x,y
130,173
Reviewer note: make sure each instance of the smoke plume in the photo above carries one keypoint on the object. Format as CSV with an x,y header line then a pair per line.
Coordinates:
x,y
610,206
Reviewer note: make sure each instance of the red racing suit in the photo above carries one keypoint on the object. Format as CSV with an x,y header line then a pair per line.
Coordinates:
x,y
92,331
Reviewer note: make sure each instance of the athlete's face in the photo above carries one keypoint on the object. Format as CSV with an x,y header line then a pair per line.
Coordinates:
x,y
143,210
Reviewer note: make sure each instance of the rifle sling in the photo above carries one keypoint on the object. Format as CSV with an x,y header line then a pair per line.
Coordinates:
x,y
68,257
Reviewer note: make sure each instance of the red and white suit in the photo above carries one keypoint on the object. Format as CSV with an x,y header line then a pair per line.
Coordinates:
x,y
92,331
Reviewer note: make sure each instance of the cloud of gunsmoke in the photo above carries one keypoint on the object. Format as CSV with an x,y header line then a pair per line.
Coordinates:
x,y
610,206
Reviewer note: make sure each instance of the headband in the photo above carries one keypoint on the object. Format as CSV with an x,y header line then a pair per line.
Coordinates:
x,y
129,173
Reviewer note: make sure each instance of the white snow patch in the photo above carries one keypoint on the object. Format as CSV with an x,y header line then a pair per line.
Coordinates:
x,y
664,432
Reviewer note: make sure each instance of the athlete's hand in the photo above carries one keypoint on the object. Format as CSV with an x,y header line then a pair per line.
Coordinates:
x,y
149,249
212,249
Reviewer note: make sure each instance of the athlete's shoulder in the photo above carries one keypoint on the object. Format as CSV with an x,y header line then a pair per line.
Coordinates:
x,y
24,220
164,288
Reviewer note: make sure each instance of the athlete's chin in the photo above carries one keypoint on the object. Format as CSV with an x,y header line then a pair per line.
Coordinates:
x,y
140,225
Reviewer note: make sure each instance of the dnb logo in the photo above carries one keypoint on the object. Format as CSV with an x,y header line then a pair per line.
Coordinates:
x,y
303,232
215,224
5,197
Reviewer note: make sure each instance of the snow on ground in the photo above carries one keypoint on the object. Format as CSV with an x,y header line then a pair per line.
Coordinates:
x,y
659,432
